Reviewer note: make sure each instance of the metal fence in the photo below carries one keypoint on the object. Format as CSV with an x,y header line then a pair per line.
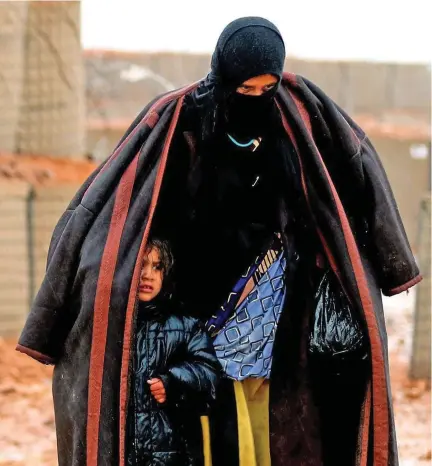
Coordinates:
x,y
28,217
14,256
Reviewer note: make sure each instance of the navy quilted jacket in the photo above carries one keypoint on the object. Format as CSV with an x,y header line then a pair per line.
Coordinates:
x,y
177,350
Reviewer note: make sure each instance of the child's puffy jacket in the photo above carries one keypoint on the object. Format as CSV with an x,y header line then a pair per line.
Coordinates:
x,y
177,350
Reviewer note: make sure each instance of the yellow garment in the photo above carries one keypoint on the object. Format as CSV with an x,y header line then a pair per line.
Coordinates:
x,y
252,400
206,440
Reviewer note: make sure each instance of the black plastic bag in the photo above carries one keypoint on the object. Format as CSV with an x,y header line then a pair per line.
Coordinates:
x,y
337,333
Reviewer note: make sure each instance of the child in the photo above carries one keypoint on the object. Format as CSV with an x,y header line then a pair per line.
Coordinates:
x,y
175,371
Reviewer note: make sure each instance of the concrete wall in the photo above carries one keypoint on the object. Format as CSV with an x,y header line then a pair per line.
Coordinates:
x,y
362,87
408,177
42,93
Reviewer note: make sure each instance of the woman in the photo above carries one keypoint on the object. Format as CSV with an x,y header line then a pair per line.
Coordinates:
x,y
263,186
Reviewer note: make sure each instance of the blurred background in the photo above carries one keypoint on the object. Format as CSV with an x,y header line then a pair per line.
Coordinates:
x,y
73,76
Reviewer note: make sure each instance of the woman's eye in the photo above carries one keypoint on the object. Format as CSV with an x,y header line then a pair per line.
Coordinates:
x,y
268,88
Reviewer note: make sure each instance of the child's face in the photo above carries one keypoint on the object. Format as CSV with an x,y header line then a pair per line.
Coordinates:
x,y
151,276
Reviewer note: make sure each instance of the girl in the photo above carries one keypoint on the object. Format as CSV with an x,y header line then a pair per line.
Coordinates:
x,y
174,372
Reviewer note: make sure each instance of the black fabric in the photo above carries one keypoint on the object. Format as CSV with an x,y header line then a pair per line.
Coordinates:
x,y
64,314
235,209
177,350
295,434
224,426
339,395
247,47
249,116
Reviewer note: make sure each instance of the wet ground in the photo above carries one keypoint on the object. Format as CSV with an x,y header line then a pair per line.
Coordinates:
x,y
27,434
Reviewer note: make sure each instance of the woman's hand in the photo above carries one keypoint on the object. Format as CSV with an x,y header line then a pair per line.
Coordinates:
x,y
157,390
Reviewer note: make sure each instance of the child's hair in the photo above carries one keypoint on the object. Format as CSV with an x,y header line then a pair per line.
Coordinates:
x,y
165,255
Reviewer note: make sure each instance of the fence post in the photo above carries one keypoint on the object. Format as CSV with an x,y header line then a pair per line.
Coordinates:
x,y
420,366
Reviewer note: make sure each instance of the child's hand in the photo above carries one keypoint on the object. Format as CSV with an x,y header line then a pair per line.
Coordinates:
x,y
157,390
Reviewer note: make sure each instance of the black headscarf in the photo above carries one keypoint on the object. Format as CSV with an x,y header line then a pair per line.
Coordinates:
x,y
248,47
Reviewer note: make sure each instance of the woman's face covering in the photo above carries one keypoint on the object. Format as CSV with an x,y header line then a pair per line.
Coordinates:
x,y
251,106
258,85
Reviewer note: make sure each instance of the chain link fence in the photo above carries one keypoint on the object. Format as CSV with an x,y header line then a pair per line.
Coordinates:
x,y
29,216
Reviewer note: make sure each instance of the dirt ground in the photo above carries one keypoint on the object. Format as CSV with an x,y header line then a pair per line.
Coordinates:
x,y
27,434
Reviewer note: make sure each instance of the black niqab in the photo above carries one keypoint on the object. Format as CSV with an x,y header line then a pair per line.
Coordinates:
x,y
248,47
